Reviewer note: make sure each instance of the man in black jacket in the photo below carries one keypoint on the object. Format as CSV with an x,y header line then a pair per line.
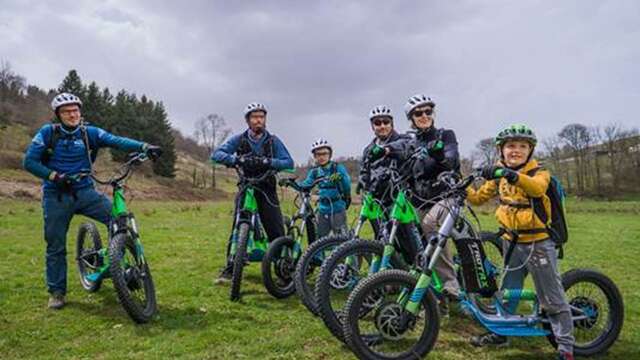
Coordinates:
x,y
381,121
438,153
374,175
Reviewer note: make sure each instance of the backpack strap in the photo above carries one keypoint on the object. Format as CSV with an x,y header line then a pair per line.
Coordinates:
x,y
536,203
267,146
54,136
533,171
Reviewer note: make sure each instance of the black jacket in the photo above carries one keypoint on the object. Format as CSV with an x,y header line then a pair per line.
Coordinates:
x,y
428,166
370,173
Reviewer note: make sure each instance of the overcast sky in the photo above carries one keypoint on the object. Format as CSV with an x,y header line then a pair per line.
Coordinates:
x,y
321,66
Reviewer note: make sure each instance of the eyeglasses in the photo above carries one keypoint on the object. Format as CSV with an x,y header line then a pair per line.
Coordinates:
x,y
419,113
322,153
68,112
378,122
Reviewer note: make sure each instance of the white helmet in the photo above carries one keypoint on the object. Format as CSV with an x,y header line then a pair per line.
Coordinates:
x,y
417,101
254,106
380,110
319,144
63,99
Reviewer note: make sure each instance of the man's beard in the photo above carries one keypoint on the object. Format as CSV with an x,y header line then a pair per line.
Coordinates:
x,y
258,130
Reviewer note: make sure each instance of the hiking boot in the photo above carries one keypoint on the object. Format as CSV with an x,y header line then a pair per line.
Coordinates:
x,y
562,355
225,275
489,339
56,301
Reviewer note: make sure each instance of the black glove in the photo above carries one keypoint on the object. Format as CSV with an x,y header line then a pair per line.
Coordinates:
x,y
153,151
489,172
495,172
435,148
259,163
510,175
246,162
376,152
241,161
63,181
359,187
265,162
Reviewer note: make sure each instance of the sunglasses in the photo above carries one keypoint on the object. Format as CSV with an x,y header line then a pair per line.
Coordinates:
x,y
378,122
419,113
322,153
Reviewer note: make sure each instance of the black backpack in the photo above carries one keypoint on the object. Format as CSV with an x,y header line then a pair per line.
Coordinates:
x,y
557,228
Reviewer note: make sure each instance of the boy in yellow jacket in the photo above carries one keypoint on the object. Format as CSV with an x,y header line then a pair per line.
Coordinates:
x,y
516,179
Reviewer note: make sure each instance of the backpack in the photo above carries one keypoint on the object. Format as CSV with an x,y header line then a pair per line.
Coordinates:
x,y
56,134
558,227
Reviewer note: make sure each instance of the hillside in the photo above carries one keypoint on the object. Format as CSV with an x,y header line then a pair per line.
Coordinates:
x,y
15,182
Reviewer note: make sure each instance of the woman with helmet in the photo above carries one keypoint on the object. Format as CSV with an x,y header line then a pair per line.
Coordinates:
x,y
517,178
439,154
334,195
58,153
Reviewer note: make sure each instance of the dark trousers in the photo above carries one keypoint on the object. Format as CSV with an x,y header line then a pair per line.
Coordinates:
x,y
58,211
268,211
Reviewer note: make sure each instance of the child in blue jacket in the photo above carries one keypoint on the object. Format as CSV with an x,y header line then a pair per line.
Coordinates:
x,y
334,192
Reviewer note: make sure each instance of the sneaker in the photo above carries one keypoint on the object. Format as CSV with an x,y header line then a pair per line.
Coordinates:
x,y
565,355
225,275
56,301
489,339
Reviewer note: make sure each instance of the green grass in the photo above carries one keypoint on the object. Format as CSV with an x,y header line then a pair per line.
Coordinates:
x,y
184,243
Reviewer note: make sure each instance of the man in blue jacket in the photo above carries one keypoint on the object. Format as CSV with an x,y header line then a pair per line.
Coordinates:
x,y
335,191
58,153
257,151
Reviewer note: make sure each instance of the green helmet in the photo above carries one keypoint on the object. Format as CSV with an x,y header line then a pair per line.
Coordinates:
x,y
517,132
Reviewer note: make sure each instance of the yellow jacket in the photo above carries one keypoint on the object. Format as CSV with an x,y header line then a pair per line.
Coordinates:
x,y
516,211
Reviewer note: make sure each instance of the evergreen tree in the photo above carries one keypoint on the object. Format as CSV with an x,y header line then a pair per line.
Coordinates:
x,y
72,84
165,166
123,120
94,108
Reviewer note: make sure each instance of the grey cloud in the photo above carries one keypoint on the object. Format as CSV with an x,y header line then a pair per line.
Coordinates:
x,y
320,66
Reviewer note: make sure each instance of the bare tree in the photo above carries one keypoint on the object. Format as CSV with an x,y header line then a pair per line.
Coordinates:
x,y
596,135
486,151
211,132
578,138
553,150
12,85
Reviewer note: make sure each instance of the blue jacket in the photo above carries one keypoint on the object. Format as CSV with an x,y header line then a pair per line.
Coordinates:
x,y
226,153
70,154
331,195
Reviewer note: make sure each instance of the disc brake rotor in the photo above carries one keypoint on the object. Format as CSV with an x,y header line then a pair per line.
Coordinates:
x,y
342,277
132,277
589,308
284,268
391,321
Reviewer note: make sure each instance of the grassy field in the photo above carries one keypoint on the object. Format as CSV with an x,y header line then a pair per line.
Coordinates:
x,y
184,243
